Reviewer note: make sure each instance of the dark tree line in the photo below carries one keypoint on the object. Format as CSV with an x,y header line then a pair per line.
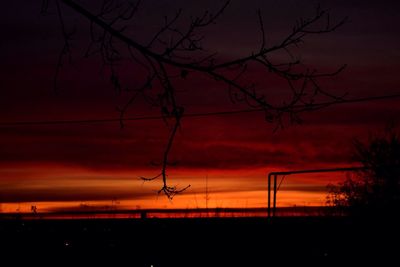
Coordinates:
x,y
175,51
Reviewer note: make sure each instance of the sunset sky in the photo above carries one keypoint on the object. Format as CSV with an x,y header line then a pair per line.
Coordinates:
x,y
64,165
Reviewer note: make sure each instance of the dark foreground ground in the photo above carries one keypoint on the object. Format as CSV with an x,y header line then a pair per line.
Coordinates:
x,y
303,241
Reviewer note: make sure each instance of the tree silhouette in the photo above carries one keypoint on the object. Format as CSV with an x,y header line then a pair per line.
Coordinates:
x,y
376,189
175,51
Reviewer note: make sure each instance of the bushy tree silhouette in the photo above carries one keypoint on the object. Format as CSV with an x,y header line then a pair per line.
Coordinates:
x,y
375,190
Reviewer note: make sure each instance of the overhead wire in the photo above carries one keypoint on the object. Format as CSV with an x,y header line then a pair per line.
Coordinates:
x,y
188,115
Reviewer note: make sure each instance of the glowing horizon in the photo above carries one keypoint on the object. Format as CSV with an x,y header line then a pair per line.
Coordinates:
x,y
57,188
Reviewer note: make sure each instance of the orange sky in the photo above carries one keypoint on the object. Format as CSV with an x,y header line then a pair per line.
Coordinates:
x,y
57,188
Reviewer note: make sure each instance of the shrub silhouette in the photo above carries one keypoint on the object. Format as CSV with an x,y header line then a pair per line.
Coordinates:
x,y
376,189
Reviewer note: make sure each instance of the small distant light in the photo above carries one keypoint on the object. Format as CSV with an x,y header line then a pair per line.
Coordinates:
x,y
66,243
326,254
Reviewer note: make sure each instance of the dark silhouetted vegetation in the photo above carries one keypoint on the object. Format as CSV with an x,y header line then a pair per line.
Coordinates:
x,y
374,191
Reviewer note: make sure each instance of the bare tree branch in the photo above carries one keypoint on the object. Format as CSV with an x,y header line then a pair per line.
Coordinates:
x,y
176,49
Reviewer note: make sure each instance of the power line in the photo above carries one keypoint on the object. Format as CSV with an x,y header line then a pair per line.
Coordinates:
x,y
190,115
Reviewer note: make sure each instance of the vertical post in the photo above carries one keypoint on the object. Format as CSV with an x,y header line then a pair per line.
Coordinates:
x,y
274,201
269,195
